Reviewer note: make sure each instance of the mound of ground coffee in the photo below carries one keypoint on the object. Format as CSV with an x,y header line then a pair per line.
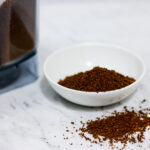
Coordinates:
x,y
97,80
126,126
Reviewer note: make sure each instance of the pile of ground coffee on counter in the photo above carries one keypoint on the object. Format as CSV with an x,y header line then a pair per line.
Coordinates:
x,y
97,80
118,129
127,126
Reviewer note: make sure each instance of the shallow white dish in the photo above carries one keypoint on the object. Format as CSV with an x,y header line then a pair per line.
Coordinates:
x,y
82,57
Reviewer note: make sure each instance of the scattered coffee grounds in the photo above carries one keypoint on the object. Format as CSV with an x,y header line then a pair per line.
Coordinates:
x,y
72,123
97,80
143,101
127,126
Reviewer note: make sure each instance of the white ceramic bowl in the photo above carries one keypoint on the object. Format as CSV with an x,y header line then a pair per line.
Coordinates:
x,y
71,60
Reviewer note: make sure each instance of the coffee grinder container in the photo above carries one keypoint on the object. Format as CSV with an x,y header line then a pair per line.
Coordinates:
x,y
18,33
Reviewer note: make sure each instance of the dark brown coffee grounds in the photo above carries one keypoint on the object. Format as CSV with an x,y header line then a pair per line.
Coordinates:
x,y
127,126
97,80
143,101
72,123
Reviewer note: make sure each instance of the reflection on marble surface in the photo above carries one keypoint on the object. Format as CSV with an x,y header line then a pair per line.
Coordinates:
x,y
31,116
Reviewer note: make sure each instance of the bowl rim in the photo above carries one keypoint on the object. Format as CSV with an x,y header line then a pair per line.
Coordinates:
x,y
61,50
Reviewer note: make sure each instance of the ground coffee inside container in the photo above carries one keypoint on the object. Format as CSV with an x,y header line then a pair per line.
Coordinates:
x,y
17,29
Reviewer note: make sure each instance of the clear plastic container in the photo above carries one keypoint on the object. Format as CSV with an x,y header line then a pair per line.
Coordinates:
x,y
18,31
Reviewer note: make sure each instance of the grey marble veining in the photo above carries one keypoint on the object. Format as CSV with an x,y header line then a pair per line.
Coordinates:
x,y
31,116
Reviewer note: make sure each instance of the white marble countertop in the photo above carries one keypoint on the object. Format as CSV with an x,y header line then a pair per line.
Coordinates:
x,y
31,116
